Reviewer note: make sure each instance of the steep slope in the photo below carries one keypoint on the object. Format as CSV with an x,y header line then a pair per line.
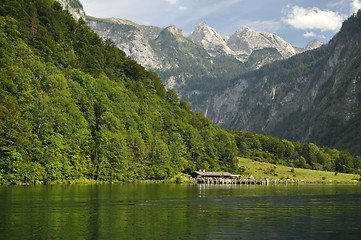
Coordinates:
x,y
245,40
136,41
74,7
207,38
197,66
181,64
314,96
133,39
73,106
313,44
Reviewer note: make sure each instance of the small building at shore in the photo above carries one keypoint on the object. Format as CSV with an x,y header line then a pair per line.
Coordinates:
x,y
204,174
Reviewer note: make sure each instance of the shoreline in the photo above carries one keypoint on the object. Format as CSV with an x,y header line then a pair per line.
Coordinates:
x,y
96,182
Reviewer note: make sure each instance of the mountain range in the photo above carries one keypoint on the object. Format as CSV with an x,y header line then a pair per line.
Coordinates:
x,y
309,94
200,65
312,97
195,66
138,42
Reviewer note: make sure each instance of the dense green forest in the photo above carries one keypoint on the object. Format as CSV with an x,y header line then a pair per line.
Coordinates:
x,y
73,106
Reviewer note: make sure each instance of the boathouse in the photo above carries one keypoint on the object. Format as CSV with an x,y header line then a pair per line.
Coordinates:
x,y
204,174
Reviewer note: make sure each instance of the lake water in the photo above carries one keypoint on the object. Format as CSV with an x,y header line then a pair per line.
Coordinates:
x,y
170,211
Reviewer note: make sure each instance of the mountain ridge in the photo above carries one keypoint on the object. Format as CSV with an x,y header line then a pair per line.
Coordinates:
x,y
212,39
312,97
183,71
245,40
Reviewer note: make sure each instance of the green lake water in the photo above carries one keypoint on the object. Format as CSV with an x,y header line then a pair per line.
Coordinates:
x,y
171,211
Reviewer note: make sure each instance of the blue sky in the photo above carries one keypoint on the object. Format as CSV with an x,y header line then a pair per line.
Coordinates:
x,y
296,21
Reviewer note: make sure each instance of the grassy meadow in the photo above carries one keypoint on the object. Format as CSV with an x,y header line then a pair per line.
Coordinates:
x,y
260,170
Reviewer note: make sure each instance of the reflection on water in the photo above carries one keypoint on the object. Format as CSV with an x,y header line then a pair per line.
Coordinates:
x,y
169,211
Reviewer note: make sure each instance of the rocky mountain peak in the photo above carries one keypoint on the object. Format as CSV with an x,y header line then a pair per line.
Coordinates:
x,y
244,30
313,44
74,7
246,40
203,24
122,21
175,31
203,30
207,37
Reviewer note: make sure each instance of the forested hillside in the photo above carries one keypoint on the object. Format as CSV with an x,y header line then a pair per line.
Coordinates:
x,y
73,106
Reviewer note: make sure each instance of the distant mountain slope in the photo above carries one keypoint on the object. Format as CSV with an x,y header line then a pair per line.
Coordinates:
x,y
245,41
313,44
196,66
133,39
314,96
181,64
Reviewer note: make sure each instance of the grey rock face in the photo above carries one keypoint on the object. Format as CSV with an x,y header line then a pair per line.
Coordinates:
x,y
74,7
206,37
139,42
133,39
313,44
246,40
311,97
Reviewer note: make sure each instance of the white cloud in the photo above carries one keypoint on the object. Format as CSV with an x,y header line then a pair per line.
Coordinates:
x,y
355,6
309,34
172,1
182,8
313,18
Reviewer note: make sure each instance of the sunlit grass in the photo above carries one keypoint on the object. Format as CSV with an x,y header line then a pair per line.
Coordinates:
x,y
260,170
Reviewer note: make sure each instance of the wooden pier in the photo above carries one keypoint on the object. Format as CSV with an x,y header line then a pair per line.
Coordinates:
x,y
266,181
203,177
230,181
